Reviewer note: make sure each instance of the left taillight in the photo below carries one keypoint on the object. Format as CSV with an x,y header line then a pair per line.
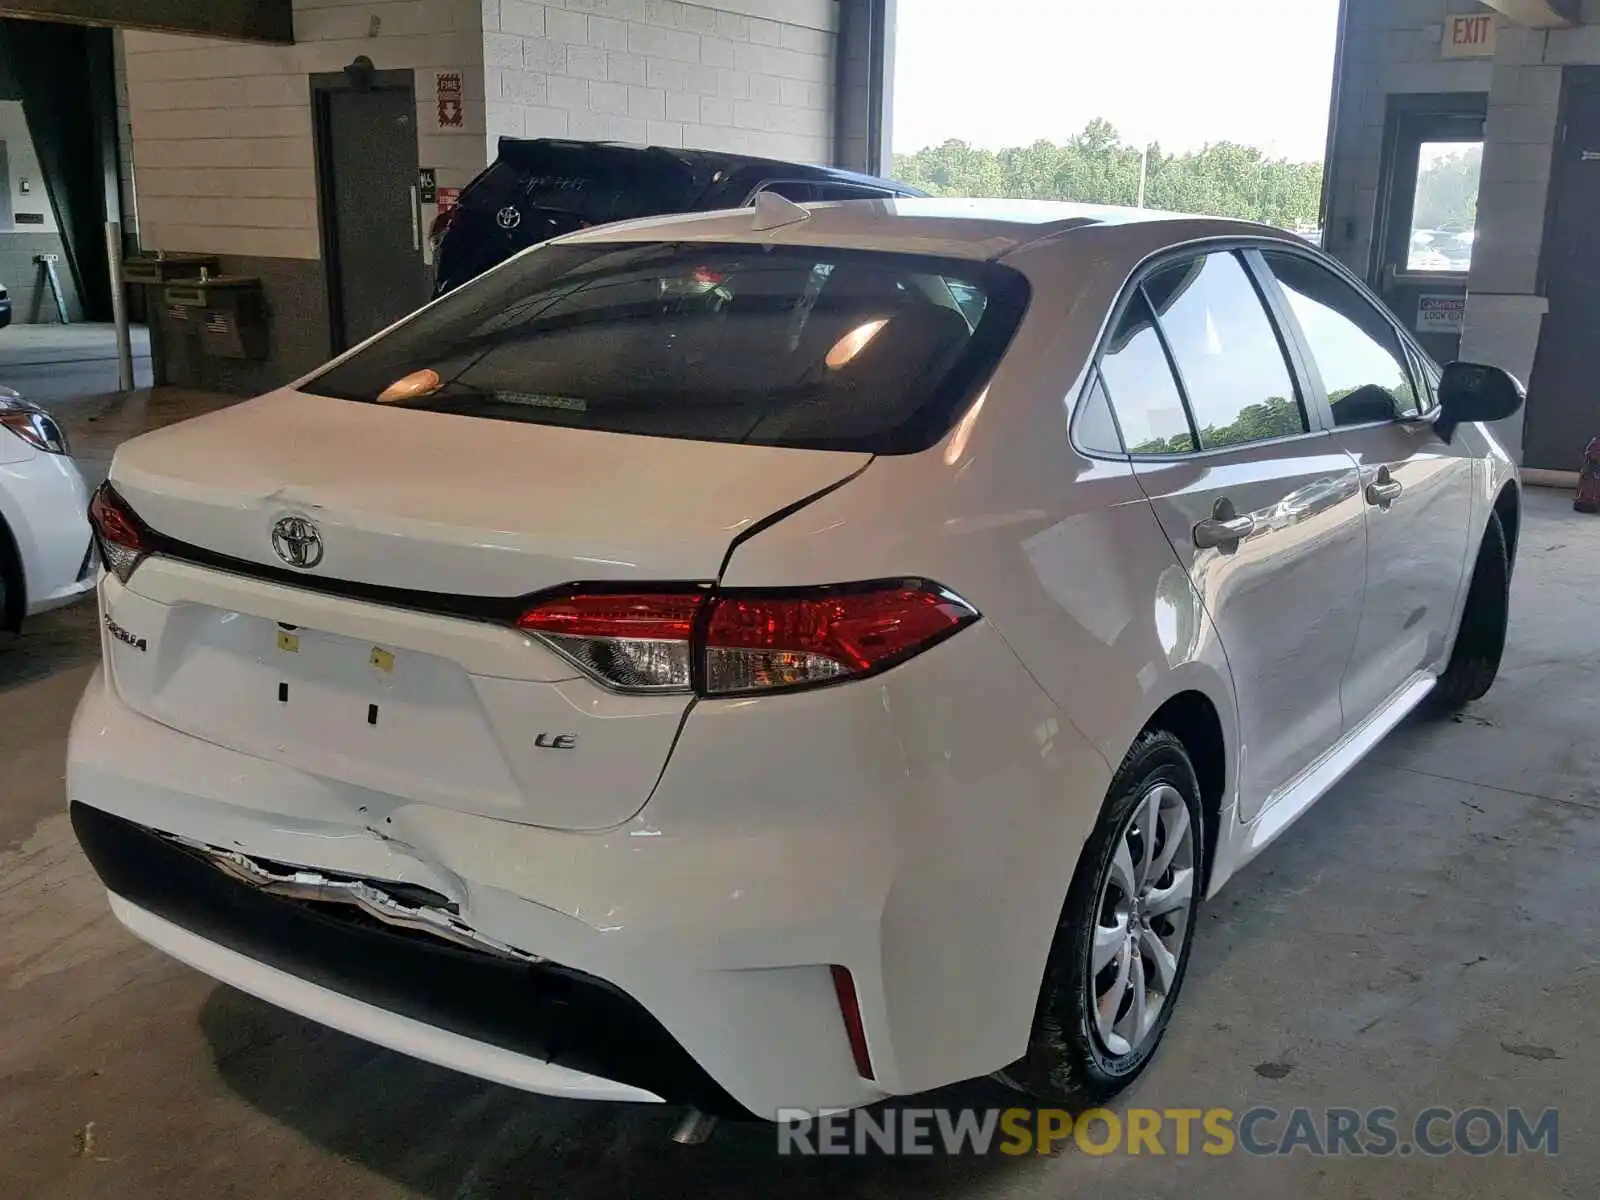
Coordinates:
x,y
746,642
630,641
118,532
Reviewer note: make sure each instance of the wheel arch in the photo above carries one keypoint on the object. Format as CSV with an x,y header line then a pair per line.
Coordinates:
x,y
1192,718
1508,507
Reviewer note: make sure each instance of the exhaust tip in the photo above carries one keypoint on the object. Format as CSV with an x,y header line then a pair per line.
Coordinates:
x,y
695,1129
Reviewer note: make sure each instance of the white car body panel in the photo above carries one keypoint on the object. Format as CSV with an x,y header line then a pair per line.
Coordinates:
x,y
713,858
42,504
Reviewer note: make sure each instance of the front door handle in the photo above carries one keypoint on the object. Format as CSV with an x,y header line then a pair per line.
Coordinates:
x,y
1384,490
1224,529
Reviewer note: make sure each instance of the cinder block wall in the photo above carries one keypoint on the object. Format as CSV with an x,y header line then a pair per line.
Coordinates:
x,y
753,76
1391,46
223,156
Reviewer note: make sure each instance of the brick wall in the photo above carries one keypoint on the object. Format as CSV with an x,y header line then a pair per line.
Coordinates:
x,y
754,76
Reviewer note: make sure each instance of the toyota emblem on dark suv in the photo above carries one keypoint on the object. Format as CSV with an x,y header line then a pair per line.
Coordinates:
x,y
509,217
297,541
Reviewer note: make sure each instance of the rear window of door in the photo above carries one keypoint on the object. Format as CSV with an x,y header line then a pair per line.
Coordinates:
x,y
1228,356
1365,368
1137,376
775,345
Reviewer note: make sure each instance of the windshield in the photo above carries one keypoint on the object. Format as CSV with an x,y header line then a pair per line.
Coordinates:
x,y
784,346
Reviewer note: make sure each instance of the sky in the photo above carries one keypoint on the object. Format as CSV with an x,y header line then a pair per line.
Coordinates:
x,y
1182,72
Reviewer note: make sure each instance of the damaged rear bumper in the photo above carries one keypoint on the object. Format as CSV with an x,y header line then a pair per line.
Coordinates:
x,y
527,1024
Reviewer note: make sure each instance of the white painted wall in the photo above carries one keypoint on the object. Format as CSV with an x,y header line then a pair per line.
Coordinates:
x,y
221,131
222,141
752,76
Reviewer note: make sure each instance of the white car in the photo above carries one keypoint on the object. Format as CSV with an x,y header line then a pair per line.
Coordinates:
x,y
46,551
777,660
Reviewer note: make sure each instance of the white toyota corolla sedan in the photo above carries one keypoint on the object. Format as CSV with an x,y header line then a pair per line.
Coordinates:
x,y
46,551
785,658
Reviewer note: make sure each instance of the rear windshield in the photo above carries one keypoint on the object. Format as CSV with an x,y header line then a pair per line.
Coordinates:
x,y
779,346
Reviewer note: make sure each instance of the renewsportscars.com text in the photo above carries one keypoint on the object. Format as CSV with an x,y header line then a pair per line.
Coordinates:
x,y
1180,1132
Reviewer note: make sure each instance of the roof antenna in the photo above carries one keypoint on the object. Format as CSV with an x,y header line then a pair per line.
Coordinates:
x,y
774,211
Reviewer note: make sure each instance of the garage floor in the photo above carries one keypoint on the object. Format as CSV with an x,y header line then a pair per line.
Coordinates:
x,y
49,363
1428,935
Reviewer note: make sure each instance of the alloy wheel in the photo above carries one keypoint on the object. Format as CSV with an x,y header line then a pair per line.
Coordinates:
x,y
1141,921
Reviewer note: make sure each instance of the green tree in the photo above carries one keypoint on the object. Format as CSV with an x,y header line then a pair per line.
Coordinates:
x,y
1096,166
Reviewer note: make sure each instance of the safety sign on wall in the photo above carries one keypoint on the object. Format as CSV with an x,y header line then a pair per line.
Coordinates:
x,y
1441,314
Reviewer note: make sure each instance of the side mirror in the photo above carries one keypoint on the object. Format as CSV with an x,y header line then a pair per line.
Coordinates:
x,y
1472,392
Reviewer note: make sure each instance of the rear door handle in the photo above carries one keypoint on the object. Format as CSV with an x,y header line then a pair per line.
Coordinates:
x,y
1384,490
1222,531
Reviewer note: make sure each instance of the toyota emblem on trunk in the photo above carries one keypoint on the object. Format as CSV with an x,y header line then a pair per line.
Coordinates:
x,y
297,542
509,217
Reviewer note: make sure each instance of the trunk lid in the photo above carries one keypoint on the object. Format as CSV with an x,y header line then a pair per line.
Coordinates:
x,y
442,503
405,704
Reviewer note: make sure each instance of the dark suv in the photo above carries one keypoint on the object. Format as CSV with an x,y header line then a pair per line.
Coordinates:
x,y
537,189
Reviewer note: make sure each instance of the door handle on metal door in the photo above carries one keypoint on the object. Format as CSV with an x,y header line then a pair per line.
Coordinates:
x,y
1222,530
1384,490
416,218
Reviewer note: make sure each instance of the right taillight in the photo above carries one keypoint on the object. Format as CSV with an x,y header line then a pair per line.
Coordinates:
x,y
743,642
118,532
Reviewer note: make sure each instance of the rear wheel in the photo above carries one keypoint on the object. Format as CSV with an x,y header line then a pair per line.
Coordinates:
x,y
1481,640
1122,947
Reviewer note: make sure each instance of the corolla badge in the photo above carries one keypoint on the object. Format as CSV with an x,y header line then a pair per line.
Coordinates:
x,y
297,541
508,217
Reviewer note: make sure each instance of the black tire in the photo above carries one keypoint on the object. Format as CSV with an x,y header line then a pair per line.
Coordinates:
x,y
1067,1063
1481,640
11,593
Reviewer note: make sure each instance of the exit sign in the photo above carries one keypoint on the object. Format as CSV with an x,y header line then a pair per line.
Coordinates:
x,y
1470,37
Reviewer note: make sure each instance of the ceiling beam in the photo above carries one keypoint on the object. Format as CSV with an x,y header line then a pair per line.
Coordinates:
x,y
240,20
1540,14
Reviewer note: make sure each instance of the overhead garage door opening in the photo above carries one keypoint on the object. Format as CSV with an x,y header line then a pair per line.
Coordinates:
x,y
1220,109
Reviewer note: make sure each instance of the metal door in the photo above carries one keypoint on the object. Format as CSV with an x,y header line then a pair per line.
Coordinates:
x,y
372,227
1562,413
1427,215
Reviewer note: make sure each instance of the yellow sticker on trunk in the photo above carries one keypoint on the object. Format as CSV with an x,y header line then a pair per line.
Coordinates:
x,y
382,659
289,642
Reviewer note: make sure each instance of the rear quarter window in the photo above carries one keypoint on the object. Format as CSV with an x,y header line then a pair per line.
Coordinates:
x,y
785,346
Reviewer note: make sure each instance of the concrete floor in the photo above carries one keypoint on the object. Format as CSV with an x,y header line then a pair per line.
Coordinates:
x,y
1429,934
49,363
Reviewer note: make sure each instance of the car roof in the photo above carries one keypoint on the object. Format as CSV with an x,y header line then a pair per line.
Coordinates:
x,y
948,227
706,163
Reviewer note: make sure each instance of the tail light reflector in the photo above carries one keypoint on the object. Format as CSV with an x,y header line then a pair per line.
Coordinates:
x,y
118,531
844,987
743,642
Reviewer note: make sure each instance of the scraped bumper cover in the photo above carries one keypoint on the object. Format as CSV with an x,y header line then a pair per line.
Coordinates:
x,y
535,1025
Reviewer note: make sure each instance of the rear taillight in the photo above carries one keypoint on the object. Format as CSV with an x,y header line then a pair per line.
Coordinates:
x,y
118,532
634,642
742,642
